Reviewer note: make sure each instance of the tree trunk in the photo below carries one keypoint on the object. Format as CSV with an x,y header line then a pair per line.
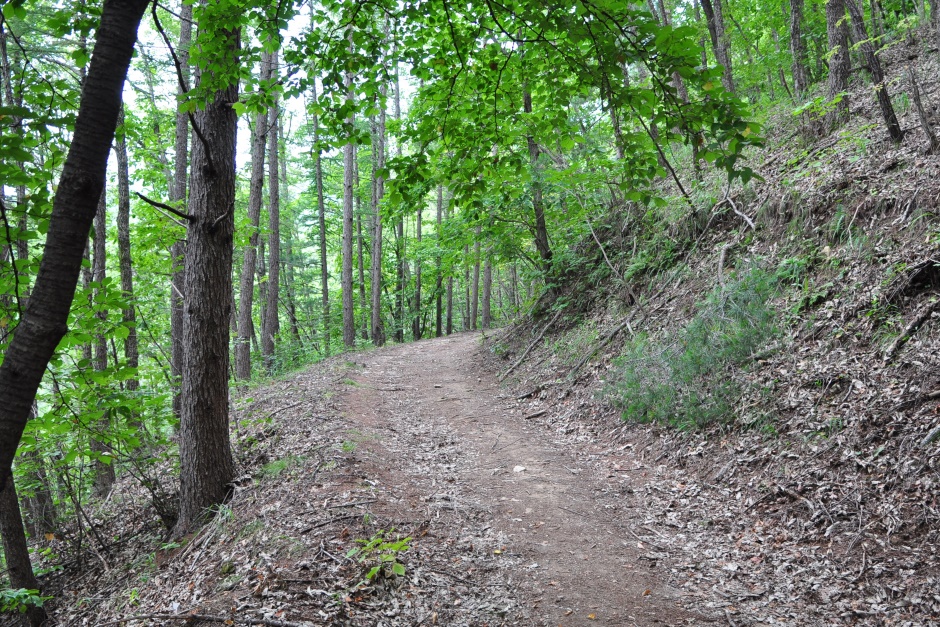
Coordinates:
x,y
378,191
43,321
874,69
720,44
124,255
206,464
271,323
246,287
16,551
178,198
438,288
798,49
363,304
104,471
321,218
839,62
401,262
416,330
487,292
538,208
349,323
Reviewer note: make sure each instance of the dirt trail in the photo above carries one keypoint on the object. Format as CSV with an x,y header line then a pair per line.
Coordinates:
x,y
445,438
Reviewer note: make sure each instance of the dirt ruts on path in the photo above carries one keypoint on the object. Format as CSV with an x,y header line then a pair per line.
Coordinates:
x,y
539,520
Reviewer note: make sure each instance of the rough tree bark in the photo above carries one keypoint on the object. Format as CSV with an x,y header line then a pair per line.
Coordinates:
x,y
43,321
206,464
246,286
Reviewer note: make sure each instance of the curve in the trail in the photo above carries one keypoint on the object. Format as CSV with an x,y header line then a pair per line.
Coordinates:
x,y
454,443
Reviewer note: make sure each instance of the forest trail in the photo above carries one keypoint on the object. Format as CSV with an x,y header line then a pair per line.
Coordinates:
x,y
445,438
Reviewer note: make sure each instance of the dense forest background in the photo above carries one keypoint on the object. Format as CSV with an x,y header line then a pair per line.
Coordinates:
x,y
281,182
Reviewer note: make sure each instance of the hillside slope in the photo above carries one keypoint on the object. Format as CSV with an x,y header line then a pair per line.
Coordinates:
x,y
790,336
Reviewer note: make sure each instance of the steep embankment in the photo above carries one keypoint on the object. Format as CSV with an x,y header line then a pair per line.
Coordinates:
x,y
796,321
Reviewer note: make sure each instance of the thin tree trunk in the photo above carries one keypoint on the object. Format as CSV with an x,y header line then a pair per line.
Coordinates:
x,y
839,62
538,208
487,292
124,255
874,69
475,287
206,464
246,287
349,323
399,238
178,198
363,304
378,191
270,327
719,36
416,330
104,471
438,288
798,49
321,218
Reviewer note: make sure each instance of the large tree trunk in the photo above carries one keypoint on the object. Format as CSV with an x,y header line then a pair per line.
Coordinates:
x,y
798,49
349,323
43,321
321,219
206,464
246,286
839,62
178,198
270,326
874,69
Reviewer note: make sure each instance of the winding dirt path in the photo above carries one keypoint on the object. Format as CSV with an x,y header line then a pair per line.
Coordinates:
x,y
545,516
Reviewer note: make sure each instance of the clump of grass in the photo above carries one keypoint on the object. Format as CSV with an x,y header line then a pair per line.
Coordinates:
x,y
686,380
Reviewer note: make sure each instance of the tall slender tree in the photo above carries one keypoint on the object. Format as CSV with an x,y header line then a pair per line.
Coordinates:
x,y
270,326
206,464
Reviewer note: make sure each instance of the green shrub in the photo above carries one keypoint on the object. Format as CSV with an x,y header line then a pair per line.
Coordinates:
x,y
686,380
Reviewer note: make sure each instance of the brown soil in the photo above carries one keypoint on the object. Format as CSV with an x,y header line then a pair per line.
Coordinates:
x,y
551,512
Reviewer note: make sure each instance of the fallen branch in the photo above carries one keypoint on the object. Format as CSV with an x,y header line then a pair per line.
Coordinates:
x,y
911,329
531,346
